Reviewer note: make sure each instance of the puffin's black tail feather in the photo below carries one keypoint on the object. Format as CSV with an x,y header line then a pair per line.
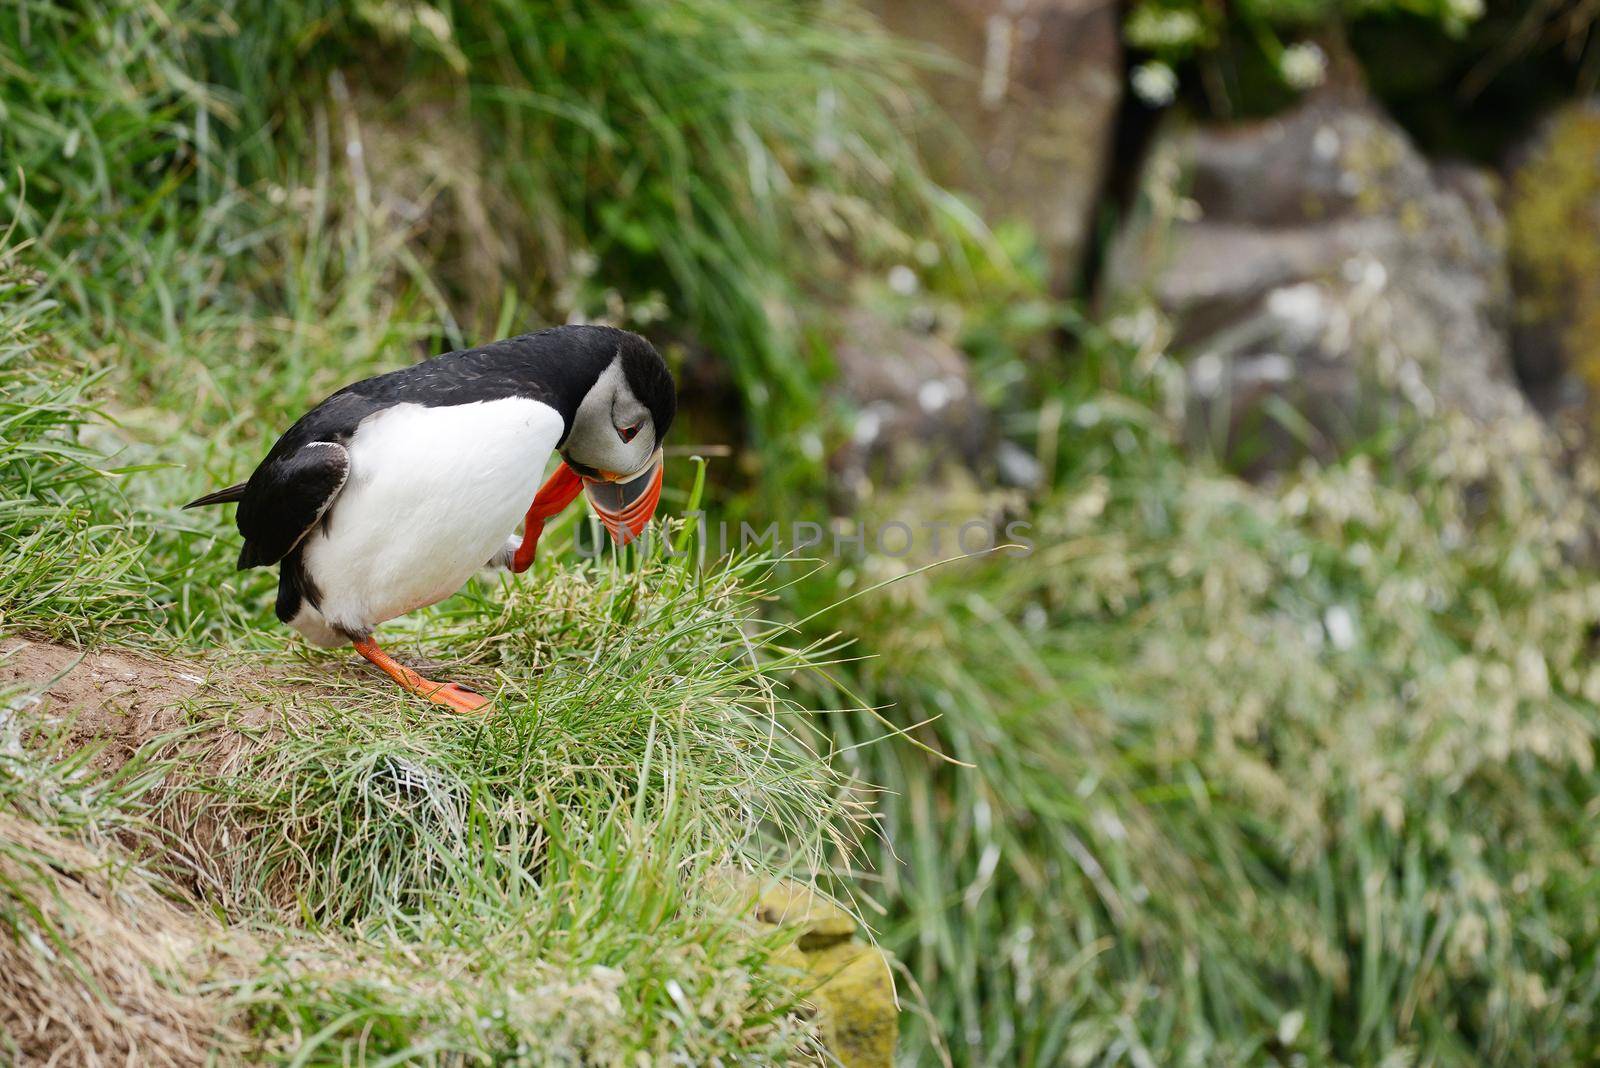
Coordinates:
x,y
221,496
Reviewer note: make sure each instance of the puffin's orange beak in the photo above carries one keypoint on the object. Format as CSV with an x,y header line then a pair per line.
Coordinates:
x,y
626,505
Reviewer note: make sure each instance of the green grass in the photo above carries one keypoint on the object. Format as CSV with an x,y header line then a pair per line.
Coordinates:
x,y
637,695
244,207
565,849
535,947
70,563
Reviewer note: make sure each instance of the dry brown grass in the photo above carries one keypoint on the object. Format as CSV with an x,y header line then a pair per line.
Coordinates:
x,y
99,969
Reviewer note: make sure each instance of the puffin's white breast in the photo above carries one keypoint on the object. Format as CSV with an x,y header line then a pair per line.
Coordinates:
x,y
432,495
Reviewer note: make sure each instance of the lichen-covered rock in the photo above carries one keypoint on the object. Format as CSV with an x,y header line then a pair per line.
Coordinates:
x,y
1553,213
818,921
1312,269
1027,114
859,1014
849,983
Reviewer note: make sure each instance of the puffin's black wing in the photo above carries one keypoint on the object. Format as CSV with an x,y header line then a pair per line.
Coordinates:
x,y
221,496
286,497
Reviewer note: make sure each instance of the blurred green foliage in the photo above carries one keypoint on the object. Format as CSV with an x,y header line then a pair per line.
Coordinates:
x,y
1301,773
188,160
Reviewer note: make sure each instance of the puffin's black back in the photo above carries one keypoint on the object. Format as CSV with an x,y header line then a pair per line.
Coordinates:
x,y
556,366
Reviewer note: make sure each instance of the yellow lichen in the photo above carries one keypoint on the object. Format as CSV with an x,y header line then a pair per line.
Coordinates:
x,y
859,1015
849,984
1554,229
818,921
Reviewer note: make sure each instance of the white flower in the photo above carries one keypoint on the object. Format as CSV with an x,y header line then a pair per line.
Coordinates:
x,y
1341,627
1303,65
934,395
1155,83
902,280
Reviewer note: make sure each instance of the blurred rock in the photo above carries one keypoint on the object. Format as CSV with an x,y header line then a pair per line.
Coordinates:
x,y
817,921
859,1013
1553,209
910,398
850,984
1032,107
1313,269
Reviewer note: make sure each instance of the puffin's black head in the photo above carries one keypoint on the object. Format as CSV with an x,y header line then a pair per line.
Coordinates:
x,y
614,440
649,381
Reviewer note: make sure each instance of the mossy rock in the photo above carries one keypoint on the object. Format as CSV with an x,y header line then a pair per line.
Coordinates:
x,y
817,921
849,983
859,1013
1553,219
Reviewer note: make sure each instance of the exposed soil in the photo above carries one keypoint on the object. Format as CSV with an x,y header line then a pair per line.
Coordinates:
x,y
120,699
213,715
117,699
85,980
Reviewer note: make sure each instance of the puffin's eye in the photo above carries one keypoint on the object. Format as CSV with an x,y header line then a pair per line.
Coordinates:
x,y
627,433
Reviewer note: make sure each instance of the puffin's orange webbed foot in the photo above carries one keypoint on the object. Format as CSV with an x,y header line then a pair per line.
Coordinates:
x,y
452,696
458,698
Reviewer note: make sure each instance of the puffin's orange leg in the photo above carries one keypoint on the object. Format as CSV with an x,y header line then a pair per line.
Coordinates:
x,y
558,491
445,693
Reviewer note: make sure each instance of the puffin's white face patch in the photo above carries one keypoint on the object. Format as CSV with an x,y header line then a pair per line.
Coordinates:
x,y
432,495
595,441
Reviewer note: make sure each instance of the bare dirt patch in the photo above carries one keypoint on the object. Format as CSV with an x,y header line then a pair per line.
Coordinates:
x,y
204,721
207,718
96,966
118,698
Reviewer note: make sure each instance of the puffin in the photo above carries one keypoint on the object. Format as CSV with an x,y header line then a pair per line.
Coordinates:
x,y
392,492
